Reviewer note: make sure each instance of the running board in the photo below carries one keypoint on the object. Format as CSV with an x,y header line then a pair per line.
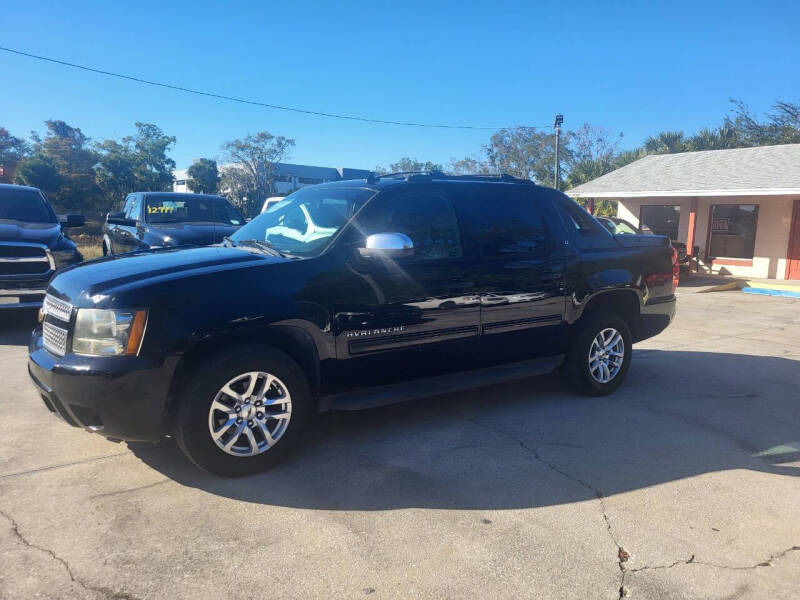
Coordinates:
x,y
440,384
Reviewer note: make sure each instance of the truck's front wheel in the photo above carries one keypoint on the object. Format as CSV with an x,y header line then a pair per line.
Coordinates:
x,y
242,411
599,355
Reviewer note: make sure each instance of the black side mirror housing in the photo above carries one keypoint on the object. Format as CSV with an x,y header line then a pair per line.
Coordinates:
x,y
118,218
71,220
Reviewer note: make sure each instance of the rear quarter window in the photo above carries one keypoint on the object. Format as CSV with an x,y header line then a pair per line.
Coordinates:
x,y
584,229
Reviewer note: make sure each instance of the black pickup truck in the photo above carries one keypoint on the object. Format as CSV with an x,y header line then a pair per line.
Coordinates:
x,y
32,245
168,220
406,286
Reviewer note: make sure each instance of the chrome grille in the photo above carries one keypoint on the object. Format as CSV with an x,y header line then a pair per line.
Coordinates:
x,y
58,308
19,258
54,339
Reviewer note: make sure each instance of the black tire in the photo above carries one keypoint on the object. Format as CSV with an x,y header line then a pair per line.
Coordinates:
x,y
192,423
575,371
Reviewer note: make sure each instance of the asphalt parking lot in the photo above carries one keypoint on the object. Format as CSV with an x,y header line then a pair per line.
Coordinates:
x,y
684,484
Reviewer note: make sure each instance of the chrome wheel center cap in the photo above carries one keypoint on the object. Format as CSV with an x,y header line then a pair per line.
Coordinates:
x,y
248,411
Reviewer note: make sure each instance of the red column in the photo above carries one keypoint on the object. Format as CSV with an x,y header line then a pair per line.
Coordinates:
x,y
691,233
590,206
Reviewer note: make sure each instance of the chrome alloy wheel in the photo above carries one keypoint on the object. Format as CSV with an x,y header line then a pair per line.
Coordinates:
x,y
250,414
606,355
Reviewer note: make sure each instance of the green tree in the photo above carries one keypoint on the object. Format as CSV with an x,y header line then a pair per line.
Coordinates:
x,y
469,165
408,164
66,149
151,165
40,172
666,142
204,176
12,150
114,172
525,152
250,178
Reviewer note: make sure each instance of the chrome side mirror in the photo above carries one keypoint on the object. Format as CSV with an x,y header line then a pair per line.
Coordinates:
x,y
390,245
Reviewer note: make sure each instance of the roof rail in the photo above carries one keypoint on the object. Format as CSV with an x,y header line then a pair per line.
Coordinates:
x,y
408,174
505,177
439,175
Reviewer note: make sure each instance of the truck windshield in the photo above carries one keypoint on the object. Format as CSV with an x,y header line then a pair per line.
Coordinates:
x,y
169,209
306,220
28,206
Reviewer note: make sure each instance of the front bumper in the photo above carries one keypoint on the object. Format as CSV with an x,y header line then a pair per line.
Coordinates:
x,y
654,318
122,397
22,293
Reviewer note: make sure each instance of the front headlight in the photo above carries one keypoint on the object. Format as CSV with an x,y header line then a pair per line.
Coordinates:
x,y
103,332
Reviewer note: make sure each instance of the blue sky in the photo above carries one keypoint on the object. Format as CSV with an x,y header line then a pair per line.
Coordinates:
x,y
635,67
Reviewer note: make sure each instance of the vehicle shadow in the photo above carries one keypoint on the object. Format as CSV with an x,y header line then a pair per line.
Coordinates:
x,y
16,326
532,443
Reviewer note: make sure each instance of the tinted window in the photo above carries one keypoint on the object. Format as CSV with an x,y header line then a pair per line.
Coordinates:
x,y
25,205
579,219
225,213
608,224
426,217
511,224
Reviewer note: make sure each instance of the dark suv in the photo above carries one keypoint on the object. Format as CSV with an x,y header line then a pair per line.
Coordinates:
x,y
32,245
406,286
167,220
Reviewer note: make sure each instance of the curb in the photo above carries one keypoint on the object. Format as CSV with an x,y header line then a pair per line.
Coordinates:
x,y
763,291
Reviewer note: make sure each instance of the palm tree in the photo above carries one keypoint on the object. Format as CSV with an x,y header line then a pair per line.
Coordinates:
x,y
666,142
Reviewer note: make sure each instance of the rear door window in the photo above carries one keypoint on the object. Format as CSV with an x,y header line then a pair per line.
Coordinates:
x,y
511,224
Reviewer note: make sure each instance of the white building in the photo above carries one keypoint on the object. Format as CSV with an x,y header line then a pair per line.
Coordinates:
x,y
288,177
738,210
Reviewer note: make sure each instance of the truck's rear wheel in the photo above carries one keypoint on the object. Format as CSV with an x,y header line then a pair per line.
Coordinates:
x,y
599,355
242,411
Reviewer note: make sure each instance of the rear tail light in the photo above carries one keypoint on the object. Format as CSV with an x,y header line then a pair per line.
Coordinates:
x,y
676,269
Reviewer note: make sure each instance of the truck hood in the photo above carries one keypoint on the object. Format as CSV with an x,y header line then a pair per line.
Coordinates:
x,y
95,282
186,234
39,233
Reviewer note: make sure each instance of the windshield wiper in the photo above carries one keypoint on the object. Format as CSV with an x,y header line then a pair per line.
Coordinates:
x,y
262,245
229,241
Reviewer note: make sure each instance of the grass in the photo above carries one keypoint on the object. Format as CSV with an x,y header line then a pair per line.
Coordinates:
x,y
90,249
89,239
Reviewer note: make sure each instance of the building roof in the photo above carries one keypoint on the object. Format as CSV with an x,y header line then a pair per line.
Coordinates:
x,y
764,170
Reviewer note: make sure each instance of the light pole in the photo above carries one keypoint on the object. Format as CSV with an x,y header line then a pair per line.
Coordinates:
x,y
557,124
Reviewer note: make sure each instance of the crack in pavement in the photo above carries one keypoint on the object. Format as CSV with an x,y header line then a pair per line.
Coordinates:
x,y
130,490
622,554
691,561
107,592
64,465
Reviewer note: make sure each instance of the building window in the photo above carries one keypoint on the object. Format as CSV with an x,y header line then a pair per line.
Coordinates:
x,y
733,230
284,179
309,180
661,220
180,182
